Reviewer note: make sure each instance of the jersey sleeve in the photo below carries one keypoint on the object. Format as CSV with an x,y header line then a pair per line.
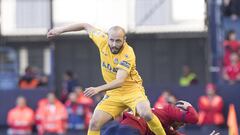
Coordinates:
x,y
127,62
99,37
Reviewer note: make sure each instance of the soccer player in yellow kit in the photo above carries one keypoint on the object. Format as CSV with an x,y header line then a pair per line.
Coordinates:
x,y
123,84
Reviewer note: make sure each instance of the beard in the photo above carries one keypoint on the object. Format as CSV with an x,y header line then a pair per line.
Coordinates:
x,y
115,50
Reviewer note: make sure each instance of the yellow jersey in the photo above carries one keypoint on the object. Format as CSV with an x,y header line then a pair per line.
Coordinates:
x,y
110,63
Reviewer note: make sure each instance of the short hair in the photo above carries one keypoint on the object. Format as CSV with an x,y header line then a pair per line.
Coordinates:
x,y
118,28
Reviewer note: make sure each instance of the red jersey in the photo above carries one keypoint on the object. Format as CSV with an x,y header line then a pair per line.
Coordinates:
x,y
20,120
167,114
230,47
232,71
210,110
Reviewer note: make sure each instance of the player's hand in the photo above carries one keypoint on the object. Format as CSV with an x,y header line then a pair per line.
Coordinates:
x,y
91,91
215,133
183,104
54,32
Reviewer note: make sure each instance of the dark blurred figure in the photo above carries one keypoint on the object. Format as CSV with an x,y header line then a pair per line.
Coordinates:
x,y
231,72
77,114
231,8
28,80
68,85
188,77
210,109
20,119
87,102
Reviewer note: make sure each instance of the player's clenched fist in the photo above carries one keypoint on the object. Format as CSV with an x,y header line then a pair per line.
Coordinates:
x,y
91,91
54,32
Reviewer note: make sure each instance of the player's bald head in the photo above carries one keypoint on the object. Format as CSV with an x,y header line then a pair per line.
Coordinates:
x,y
117,30
116,38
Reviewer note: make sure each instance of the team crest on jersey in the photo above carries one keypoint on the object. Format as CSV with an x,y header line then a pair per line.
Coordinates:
x,y
115,60
125,64
126,55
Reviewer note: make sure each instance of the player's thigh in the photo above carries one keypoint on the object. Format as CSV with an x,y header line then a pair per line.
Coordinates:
x,y
143,106
99,118
136,101
111,105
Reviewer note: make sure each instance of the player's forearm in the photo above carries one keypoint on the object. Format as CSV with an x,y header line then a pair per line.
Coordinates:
x,y
112,85
74,27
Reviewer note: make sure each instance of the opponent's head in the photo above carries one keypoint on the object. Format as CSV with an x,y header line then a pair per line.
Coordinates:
x,y
116,38
182,105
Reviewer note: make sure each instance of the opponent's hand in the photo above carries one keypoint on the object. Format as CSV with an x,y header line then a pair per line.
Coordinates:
x,y
183,104
91,91
215,133
54,32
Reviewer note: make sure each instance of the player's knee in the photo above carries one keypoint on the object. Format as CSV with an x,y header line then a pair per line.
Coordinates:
x,y
94,125
147,115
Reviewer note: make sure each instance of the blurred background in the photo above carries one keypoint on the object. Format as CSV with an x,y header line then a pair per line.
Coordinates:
x,y
187,48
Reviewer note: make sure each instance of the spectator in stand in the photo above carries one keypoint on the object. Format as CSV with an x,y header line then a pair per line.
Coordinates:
x,y
231,45
87,102
69,83
188,77
210,109
43,81
51,116
231,8
20,119
231,72
76,113
81,98
29,80
163,98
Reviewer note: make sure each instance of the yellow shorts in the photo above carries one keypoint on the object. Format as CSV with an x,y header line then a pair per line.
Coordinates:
x,y
116,104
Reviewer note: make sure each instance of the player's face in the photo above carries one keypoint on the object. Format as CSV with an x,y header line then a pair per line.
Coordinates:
x,y
115,41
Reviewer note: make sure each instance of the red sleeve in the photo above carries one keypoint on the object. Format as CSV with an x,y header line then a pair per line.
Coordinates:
x,y
189,116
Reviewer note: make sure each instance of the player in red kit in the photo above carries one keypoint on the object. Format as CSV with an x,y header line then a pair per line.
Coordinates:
x,y
172,117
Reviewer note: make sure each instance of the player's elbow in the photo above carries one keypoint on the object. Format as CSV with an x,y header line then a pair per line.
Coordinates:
x,y
87,27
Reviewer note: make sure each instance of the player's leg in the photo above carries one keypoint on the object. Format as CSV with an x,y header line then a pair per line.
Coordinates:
x,y
144,110
98,119
109,107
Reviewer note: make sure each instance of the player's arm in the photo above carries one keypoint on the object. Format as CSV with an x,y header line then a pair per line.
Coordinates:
x,y
69,28
118,82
